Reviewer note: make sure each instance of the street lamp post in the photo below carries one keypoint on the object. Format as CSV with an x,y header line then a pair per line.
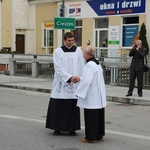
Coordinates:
x,y
63,15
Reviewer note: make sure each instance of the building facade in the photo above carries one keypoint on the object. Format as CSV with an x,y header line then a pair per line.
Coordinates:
x,y
109,26
17,26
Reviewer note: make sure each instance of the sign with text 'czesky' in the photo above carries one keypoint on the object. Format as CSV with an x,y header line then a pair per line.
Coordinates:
x,y
117,7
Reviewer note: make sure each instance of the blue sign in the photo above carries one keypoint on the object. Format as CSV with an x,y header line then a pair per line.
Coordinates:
x,y
117,7
74,10
129,35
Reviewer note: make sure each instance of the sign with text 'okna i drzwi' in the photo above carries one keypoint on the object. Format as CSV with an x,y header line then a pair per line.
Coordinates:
x,y
64,23
117,7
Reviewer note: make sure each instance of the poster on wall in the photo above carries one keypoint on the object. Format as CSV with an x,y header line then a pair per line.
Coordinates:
x,y
130,33
113,37
113,42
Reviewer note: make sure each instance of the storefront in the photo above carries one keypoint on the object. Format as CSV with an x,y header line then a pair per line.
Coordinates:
x,y
109,26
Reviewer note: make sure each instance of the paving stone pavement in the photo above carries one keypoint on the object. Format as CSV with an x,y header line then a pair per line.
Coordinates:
x,y
114,93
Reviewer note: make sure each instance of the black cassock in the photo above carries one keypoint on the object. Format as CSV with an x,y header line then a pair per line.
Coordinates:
x,y
63,115
94,123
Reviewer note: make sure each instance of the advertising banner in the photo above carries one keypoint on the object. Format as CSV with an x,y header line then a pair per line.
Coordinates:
x,y
79,9
117,7
95,8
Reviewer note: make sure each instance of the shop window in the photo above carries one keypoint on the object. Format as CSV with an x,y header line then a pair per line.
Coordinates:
x,y
130,30
78,33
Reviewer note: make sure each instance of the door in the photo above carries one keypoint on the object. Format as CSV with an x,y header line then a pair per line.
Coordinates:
x,y
20,43
101,42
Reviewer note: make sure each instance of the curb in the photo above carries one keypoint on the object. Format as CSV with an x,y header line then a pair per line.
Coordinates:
x,y
26,88
131,101
125,100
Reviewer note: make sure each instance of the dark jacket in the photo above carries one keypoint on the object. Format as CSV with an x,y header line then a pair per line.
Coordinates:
x,y
137,62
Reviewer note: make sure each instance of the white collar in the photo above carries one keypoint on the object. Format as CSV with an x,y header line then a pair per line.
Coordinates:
x,y
68,47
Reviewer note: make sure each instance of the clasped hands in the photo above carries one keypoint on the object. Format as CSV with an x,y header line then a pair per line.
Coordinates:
x,y
136,46
75,79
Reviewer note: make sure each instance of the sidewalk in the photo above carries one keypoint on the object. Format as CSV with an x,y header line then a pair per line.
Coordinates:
x,y
114,93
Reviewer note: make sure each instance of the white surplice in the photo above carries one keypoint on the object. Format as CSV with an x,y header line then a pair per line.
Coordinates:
x,y
66,65
91,90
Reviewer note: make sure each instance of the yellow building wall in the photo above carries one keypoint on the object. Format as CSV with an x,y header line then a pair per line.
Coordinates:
x,y
45,12
87,31
114,21
142,19
6,23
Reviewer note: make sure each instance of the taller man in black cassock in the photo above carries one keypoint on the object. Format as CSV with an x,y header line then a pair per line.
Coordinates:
x,y
63,114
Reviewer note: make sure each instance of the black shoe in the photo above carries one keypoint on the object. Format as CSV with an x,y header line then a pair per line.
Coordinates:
x,y
73,133
56,132
140,94
129,95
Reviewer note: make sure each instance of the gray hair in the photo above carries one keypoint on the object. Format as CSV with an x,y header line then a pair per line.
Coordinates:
x,y
90,50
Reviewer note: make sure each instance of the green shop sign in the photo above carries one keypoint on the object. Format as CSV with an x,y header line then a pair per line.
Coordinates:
x,y
64,23
113,42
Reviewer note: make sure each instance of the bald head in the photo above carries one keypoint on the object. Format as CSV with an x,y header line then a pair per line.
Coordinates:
x,y
138,43
90,50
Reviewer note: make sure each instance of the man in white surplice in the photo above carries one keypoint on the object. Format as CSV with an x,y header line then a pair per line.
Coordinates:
x,y
91,95
63,114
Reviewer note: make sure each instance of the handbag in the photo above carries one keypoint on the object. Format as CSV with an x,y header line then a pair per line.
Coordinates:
x,y
146,67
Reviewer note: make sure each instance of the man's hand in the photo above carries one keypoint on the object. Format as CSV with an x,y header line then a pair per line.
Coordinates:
x,y
75,79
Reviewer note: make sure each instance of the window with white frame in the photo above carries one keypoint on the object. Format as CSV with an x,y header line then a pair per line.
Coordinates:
x,y
101,37
48,36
